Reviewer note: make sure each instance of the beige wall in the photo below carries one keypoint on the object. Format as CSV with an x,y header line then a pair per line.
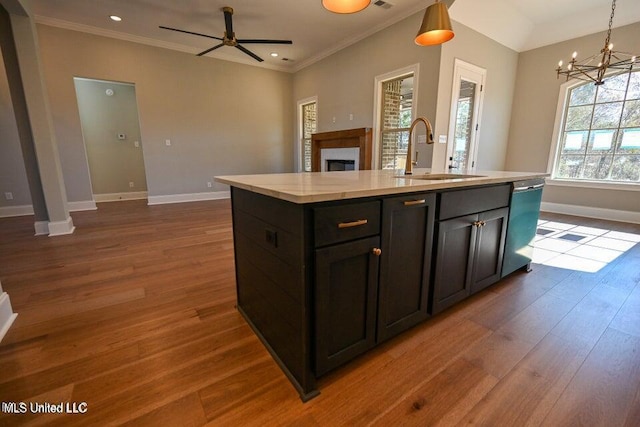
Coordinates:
x,y
344,82
534,110
221,117
13,176
501,65
113,162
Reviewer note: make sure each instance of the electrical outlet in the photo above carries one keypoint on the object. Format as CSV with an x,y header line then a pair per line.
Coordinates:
x,y
167,142
209,184
131,184
8,195
136,144
442,139
351,117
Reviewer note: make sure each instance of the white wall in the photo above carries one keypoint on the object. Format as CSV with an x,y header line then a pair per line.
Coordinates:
x,y
501,65
344,81
533,117
113,163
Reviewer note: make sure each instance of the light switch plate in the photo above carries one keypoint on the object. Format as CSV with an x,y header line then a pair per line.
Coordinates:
x,y
442,139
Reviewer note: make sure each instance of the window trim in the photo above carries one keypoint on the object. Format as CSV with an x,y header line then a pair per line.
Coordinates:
x,y
298,153
377,104
563,98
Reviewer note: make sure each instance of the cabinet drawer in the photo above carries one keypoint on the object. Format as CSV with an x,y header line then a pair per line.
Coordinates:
x,y
464,202
334,224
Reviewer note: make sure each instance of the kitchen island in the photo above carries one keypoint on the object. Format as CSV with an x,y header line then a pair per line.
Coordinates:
x,y
330,264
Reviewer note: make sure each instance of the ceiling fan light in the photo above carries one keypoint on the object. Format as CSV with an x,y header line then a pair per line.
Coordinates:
x,y
345,6
436,26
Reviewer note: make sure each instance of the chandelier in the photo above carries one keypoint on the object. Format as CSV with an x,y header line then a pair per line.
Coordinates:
x,y
595,67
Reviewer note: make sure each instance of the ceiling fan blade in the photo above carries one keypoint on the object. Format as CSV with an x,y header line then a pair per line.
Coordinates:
x,y
251,54
261,41
204,52
228,21
189,32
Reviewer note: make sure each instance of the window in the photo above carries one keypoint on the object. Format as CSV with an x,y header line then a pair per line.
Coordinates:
x,y
308,126
397,115
599,137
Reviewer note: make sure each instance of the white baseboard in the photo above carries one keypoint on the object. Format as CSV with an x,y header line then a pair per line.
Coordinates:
x,y
591,212
41,228
191,197
23,210
61,228
9,211
7,316
85,205
118,197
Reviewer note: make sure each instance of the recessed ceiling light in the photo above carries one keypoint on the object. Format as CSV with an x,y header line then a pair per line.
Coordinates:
x,y
274,54
115,18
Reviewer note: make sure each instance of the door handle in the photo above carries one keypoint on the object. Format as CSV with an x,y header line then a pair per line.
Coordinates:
x,y
352,223
414,202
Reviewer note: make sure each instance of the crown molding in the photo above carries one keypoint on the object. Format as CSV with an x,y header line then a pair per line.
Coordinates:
x,y
60,23
328,52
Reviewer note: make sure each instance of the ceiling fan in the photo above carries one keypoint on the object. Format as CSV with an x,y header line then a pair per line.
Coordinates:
x,y
229,38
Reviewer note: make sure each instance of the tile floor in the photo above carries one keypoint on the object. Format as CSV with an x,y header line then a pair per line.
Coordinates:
x,y
588,249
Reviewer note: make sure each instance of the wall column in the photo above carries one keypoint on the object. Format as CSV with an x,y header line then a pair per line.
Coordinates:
x,y
38,112
19,103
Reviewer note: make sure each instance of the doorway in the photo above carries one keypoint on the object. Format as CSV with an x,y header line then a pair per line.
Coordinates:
x,y
111,132
466,109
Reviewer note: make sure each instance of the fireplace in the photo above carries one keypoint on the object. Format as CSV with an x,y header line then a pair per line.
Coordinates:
x,y
341,150
339,159
340,165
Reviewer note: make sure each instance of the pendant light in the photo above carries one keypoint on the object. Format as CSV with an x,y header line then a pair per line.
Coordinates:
x,y
436,26
345,6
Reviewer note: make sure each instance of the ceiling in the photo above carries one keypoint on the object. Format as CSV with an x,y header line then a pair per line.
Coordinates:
x,y
316,33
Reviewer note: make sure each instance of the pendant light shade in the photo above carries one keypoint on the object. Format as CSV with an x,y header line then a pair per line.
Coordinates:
x,y
436,26
345,6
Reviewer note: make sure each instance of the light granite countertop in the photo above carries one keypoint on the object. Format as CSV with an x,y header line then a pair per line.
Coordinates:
x,y
310,187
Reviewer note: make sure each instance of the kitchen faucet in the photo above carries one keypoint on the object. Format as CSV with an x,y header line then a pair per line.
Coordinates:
x,y
408,169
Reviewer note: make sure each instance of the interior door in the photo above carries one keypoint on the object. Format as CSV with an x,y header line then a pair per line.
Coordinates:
x,y
466,108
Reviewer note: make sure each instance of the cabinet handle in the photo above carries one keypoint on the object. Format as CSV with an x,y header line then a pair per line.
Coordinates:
x,y
352,224
376,251
478,223
414,202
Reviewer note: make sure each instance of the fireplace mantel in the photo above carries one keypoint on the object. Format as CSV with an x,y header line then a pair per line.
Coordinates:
x,y
359,138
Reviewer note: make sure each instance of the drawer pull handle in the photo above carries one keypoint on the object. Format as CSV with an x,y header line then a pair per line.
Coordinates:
x,y
414,202
353,223
376,251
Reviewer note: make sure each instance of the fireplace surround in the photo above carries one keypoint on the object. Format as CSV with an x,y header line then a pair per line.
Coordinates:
x,y
343,146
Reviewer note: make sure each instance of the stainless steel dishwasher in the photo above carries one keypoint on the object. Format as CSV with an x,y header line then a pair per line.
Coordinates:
x,y
526,197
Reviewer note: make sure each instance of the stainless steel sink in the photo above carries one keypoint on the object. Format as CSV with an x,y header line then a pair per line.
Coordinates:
x,y
439,176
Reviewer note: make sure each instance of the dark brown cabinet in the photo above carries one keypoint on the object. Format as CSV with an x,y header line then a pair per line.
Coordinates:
x,y
321,283
468,256
471,230
407,236
346,293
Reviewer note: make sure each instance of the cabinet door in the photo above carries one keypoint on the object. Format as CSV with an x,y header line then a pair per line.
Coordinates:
x,y
489,250
454,261
346,301
405,263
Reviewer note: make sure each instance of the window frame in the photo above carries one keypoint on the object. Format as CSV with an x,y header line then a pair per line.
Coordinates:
x,y
554,152
299,145
413,69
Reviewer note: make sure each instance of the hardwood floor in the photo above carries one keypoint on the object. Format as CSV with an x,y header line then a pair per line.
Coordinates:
x,y
134,314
